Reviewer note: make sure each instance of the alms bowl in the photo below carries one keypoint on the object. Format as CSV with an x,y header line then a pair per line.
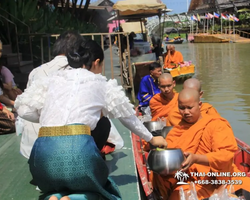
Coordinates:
x,y
165,161
153,125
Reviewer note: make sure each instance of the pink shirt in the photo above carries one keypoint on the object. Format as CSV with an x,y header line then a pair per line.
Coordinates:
x,y
7,76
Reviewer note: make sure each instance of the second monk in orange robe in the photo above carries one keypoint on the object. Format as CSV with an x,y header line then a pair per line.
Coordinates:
x,y
162,103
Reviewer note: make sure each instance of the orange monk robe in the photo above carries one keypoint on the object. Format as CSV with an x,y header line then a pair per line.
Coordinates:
x,y
173,59
174,117
211,136
160,107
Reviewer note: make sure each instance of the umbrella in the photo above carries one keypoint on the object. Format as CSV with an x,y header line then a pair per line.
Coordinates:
x,y
139,8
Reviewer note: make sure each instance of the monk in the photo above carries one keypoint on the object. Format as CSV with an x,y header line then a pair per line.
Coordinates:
x,y
208,144
162,103
174,116
173,58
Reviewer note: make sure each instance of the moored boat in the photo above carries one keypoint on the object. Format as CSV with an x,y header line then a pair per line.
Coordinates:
x,y
174,41
181,73
241,159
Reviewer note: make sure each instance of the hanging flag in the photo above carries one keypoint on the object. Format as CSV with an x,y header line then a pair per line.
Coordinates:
x,y
224,17
210,16
198,17
194,18
216,15
230,17
235,18
206,16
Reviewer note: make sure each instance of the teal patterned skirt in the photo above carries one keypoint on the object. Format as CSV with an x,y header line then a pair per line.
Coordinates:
x,y
71,165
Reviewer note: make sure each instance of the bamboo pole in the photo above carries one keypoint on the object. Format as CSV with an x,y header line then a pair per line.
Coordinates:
x,y
130,71
120,57
102,44
111,58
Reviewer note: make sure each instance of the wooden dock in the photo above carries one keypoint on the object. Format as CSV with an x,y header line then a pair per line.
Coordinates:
x,y
220,38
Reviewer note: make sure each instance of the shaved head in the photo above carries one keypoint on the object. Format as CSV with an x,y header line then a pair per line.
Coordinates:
x,y
188,93
189,105
166,85
165,76
192,83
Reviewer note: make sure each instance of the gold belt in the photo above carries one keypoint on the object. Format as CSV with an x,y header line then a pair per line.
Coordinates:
x,y
64,130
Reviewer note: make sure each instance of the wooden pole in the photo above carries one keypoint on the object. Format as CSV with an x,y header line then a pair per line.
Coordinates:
x,y
102,44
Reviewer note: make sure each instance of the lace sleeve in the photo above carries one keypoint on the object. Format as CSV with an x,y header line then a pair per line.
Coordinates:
x,y
136,126
30,103
117,103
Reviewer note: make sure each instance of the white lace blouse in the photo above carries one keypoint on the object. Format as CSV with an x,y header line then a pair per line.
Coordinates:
x,y
77,96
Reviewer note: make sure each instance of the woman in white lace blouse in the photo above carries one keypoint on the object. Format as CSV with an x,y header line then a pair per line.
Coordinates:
x,y
65,162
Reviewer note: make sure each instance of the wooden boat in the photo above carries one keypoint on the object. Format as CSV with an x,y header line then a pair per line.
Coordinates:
x,y
180,74
174,41
241,159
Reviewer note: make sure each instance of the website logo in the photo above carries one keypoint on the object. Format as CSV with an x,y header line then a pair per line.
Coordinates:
x,y
181,177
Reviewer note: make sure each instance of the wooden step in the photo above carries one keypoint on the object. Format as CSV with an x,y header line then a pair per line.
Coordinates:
x,y
22,67
11,58
7,49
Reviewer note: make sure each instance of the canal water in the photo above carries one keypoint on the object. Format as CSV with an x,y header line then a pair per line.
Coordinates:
x,y
224,71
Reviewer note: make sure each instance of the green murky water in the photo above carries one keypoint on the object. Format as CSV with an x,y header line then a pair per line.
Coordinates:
x,y
224,70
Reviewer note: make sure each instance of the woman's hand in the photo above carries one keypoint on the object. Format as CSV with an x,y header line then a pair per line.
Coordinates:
x,y
7,86
17,91
189,161
159,141
9,114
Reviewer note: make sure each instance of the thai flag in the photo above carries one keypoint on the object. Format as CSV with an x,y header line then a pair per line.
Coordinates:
x,y
224,17
216,15
194,18
206,16
236,19
210,16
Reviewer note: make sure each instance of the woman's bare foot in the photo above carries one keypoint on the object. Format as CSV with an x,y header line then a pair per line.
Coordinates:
x,y
65,198
53,198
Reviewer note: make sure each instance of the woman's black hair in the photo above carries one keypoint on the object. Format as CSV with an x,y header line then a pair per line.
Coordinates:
x,y
154,65
66,42
86,53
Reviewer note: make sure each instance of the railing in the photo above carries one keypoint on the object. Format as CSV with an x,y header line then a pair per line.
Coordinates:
x,y
124,60
8,28
28,28
242,33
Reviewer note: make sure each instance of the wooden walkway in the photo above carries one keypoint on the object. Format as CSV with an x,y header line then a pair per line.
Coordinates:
x,y
234,38
15,176
220,38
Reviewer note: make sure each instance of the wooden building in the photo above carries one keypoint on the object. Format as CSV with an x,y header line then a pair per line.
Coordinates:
x,y
219,6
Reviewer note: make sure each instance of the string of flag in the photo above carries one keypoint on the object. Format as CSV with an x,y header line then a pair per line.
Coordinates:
x,y
216,15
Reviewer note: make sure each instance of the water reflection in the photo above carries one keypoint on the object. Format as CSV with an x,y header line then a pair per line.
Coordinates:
x,y
224,70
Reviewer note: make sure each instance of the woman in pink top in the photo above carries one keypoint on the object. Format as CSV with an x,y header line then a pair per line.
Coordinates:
x,y
9,86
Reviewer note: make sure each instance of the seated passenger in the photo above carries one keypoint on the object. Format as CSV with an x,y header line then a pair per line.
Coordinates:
x,y
162,103
149,85
174,116
9,86
208,144
173,58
